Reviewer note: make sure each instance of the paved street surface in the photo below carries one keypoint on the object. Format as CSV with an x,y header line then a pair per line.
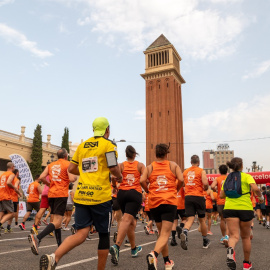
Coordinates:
x,y
15,252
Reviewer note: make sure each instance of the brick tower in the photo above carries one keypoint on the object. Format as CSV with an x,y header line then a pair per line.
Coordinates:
x,y
164,123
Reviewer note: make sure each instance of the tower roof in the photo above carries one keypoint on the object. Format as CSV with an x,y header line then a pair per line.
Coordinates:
x,y
160,41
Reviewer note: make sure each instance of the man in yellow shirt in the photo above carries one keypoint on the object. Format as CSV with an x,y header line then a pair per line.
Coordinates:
x,y
94,161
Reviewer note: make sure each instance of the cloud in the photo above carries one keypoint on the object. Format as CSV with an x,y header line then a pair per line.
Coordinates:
x,y
62,29
140,114
258,71
247,120
5,2
200,32
17,38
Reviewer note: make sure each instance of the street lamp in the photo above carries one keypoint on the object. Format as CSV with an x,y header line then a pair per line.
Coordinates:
x,y
52,157
48,162
114,141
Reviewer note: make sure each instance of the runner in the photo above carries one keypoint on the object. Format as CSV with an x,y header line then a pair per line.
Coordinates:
x,y
58,195
129,198
166,179
238,210
69,207
44,205
215,212
6,204
218,182
149,226
263,208
267,205
195,184
94,160
15,200
209,197
33,202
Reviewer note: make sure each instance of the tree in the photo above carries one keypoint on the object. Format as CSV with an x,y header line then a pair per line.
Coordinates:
x,y
65,139
36,155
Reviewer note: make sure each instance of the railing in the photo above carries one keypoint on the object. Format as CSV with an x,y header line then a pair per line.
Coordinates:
x,y
26,139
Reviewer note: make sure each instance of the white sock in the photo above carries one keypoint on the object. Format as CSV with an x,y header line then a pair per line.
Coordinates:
x,y
267,223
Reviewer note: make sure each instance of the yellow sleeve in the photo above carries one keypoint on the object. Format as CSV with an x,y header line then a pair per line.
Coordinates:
x,y
250,179
112,148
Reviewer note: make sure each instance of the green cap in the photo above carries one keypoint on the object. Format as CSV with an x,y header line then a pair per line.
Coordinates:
x,y
100,125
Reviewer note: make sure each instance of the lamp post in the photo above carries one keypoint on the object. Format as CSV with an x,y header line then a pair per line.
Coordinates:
x,y
114,141
52,157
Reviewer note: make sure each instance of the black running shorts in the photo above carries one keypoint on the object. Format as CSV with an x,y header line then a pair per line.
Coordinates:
x,y
148,213
243,215
165,212
115,204
58,205
193,205
99,215
181,213
33,205
220,210
130,201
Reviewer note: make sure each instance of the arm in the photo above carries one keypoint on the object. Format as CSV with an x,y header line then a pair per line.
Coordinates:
x,y
72,195
73,169
143,180
72,178
39,189
222,194
256,190
214,184
180,179
212,195
205,180
115,171
9,183
43,176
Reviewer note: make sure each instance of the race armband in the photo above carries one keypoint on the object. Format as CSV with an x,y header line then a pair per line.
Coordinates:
x,y
111,159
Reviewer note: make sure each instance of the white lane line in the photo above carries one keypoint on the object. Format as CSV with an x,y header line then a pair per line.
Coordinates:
x,y
95,258
26,249
13,239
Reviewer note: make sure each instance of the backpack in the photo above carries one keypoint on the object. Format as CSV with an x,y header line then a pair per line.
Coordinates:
x,y
232,185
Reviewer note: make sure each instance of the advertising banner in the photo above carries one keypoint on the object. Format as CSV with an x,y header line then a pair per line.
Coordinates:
x,y
22,209
24,171
259,177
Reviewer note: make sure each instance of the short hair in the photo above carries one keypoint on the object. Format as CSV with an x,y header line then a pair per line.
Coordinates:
x,y
162,150
263,188
62,153
236,164
15,171
10,165
37,176
223,169
195,159
70,186
19,178
130,151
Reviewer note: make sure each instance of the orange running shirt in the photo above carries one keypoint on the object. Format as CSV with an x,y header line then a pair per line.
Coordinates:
x,y
208,201
193,181
33,192
162,188
181,199
131,176
220,181
5,190
14,195
216,196
59,180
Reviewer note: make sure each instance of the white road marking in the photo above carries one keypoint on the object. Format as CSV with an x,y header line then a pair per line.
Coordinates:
x,y
26,249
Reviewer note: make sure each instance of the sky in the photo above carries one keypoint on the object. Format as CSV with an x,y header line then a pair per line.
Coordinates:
x,y
65,62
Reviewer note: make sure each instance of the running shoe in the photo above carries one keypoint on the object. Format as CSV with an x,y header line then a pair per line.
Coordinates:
x,y
206,243
169,265
264,223
47,262
8,230
151,261
146,229
231,262
114,251
222,240
115,237
127,244
215,223
210,233
51,234
184,241
267,227
65,229
72,229
173,242
152,232
45,222
88,238
179,231
32,238
247,266
22,227
226,241
134,252
34,231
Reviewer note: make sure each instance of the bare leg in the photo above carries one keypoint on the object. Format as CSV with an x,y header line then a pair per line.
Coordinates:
x,y
233,227
164,228
245,228
125,223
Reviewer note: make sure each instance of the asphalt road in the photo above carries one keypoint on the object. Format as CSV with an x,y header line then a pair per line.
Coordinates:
x,y
15,252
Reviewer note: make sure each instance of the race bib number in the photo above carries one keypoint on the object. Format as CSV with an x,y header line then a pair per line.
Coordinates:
x,y
162,182
90,164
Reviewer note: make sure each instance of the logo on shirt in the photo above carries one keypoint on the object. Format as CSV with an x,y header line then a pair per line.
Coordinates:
x,y
191,177
162,182
56,170
3,181
130,179
90,144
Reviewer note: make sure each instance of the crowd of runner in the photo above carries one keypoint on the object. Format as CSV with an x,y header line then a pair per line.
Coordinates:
x,y
167,200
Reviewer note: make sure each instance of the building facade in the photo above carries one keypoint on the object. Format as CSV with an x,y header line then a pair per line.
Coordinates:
x,y
163,81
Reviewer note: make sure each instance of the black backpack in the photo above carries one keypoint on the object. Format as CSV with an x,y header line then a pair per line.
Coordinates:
x,y
232,185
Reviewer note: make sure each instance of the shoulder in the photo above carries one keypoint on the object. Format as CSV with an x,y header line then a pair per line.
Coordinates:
x,y
108,141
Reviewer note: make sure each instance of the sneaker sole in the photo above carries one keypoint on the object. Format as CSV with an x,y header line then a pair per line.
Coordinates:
x,y
151,262
44,263
33,247
114,258
169,267
183,238
205,247
231,264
